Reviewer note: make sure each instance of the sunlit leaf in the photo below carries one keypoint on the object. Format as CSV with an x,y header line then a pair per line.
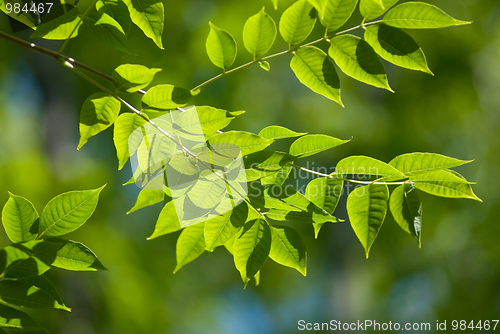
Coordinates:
x,y
419,15
251,248
167,222
68,211
18,216
125,125
315,70
264,65
333,14
297,22
108,30
371,9
312,144
302,216
367,207
396,47
130,77
221,47
165,97
259,34
31,258
117,10
438,175
245,141
444,184
190,245
59,23
356,58
146,198
359,164
75,256
99,111
220,229
275,132
213,119
413,163
148,16
325,193
11,318
406,209
46,286
288,248
275,3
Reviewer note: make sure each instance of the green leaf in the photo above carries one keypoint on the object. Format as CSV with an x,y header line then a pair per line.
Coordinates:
x,y
18,216
357,59
297,22
21,293
11,318
419,15
275,132
31,258
251,248
148,16
166,97
288,248
68,211
396,47
371,9
259,34
125,125
265,65
268,160
99,111
444,188
406,209
167,222
213,119
220,229
130,78
366,207
108,31
315,70
59,23
325,193
438,175
75,256
335,13
190,245
414,163
117,10
46,286
247,142
312,144
275,4
359,164
221,47
302,216
146,198
29,18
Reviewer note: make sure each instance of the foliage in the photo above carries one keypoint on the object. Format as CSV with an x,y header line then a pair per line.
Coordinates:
x,y
24,262
225,188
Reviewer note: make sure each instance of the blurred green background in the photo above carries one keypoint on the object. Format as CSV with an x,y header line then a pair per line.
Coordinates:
x,y
455,275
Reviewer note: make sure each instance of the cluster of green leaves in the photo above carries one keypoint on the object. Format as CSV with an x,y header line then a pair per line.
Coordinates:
x,y
36,248
108,20
256,229
356,57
